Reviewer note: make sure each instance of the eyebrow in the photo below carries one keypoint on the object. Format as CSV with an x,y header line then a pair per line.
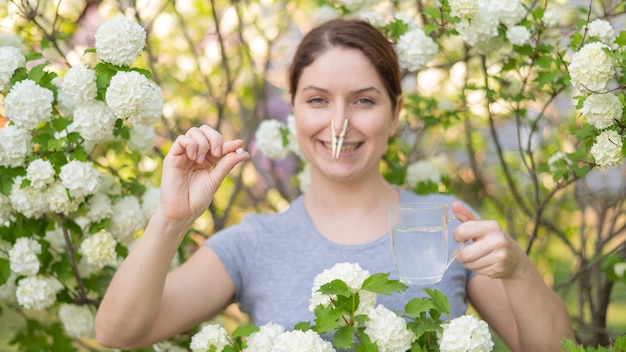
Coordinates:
x,y
358,91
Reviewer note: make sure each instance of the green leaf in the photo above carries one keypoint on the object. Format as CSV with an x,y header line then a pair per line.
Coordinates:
x,y
621,39
336,287
440,301
417,306
245,331
381,284
326,318
343,337
303,326
60,124
5,270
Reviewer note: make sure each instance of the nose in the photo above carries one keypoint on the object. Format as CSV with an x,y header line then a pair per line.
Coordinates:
x,y
339,121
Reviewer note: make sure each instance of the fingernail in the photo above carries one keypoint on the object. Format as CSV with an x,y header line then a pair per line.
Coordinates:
x,y
201,157
217,151
239,151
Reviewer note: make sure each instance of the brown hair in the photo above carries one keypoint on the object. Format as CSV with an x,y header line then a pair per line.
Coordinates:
x,y
353,34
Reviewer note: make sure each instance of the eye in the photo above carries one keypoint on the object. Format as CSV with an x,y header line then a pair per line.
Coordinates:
x,y
365,101
316,100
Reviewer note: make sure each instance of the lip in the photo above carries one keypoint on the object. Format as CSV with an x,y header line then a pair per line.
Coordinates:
x,y
346,147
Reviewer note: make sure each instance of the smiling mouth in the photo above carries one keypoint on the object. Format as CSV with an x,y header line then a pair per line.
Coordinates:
x,y
345,148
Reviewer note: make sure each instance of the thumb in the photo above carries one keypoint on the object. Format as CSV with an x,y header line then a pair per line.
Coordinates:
x,y
227,163
461,212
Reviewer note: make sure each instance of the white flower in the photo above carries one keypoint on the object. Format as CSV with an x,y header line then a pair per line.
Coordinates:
x,y
619,269
210,336
14,146
607,150
166,346
325,13
374,18
415,49
40,173
466,334
293,145
28,104
127,219
100,207
37,292
406,19
510,12
94,120
464,8
518,35
550,18
142,139
11,40
602,110
601,30
59,201
263,340
56,239
555,158
133,97
354,5
421,171
350,273
5,210
304,178
10,59
65,103
79,177
591,67
23,256
119,41
108,185
269,139
388,330
99,249
150,202
481,28
78,321
79,84
301,341
27,200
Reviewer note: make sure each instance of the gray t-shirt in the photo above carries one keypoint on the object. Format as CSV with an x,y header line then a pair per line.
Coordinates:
x,y
273,259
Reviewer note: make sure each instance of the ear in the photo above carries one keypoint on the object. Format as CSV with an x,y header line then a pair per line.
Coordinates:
x,y
396,116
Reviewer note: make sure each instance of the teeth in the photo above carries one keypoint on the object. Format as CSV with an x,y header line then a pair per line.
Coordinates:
x,y
344,148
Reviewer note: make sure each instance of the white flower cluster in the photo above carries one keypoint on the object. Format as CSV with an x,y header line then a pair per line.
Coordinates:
x,y
80,178
415,49
302,341
133,97
422,171
10,60
211,336
269,139
79,84
355,5
463,8
99,249
481,29
466,334
40,173
591,68
607,150
350,273
602,31
14,146
518,35
127,219
94,120
78,321
263,340
388,330
5,210
37,292
119,41
28,104
602,110
23,256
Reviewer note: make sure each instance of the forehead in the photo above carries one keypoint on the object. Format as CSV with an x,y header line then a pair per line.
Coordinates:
x,y
341,67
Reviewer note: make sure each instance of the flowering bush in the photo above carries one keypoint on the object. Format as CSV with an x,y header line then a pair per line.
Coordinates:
x,y
490,82
343,300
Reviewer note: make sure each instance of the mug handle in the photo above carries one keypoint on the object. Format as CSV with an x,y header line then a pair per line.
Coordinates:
x,y
460,245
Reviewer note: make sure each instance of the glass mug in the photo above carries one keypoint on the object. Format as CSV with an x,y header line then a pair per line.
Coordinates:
x,y
419,241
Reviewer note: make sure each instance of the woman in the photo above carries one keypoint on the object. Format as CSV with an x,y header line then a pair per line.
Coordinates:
x,y
346,98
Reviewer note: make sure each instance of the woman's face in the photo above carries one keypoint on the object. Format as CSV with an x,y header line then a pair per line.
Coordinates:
x,y
342,84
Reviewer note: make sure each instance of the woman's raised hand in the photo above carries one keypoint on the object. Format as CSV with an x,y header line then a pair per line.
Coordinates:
x,y
492,252
193,170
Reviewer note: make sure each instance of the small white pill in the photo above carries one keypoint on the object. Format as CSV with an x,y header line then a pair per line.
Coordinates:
x,y
239,151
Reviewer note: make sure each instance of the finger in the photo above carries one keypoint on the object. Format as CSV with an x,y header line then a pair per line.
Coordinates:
x,y
200,145
214,139
476,230
473,253
461,212
227,164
